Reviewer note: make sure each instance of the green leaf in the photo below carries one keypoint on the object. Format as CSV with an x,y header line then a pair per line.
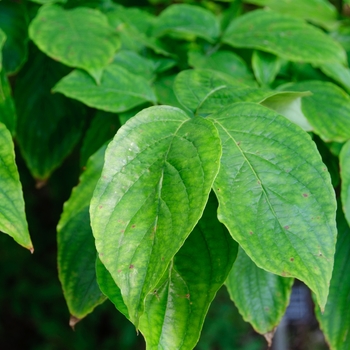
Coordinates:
x,y
260,296
12,215
224,61
275,195
2,41
76,246
118,91
48,126
164,89
176,308
150,196
284,36
14,22
338,73
7,109
265,66
335,320
320,12
102,128
327,110
344,159
187,22
175,311
79,37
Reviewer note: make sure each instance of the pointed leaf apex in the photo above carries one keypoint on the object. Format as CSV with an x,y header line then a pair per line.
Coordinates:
x,y
269,336
73,321
31,249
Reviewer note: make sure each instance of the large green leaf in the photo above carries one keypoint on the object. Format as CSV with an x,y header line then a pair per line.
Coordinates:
x,y
335,321
327,110
76,247
79,37
284,36
155,183
7,108
344,159
187,21
224,61
265,66
275,195
14,22
48,126
260,296
320,12
118,91
176,308
12,216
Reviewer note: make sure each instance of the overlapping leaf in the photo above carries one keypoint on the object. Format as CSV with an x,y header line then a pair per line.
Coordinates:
x,y
260,296
150,196
265,66
118,91
327,109
7,108
12,216
76,248
175,309
335,321
338,73
344,159
187,21
284,36
79,37
275,195
14,22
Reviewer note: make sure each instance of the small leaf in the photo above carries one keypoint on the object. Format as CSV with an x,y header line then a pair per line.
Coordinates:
x,y
14,22
80,37
327,109
275,195
335,320
12,215
76,248
284,36
7,109
187,21
150,196
317,11
265,66
224,61
260,296
338,73
118,91
2,41
344,159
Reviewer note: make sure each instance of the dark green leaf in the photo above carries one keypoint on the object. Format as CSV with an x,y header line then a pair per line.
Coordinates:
x,y
344,159
14,22
164,88
12,216
327,110
7,108
80,37
76,248
284,36
275,195
150,197
261,297
335,321
118,91
187,21
2,41
265,66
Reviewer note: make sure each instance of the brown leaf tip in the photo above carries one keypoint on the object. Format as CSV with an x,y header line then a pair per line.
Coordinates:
x,y
31,249
269,336
73,321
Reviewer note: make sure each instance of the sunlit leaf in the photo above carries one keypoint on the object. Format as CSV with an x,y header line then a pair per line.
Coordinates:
x,y
344,159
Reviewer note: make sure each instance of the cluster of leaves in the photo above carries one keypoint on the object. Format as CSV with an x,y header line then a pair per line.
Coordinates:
x,y
221,113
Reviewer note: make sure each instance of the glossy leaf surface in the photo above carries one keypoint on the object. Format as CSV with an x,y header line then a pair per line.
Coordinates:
x,y
335,321
329,116
7,108
150,197
187,21
12,216
284,36
344,159
79,37
273,180
76,246
118,91
261,297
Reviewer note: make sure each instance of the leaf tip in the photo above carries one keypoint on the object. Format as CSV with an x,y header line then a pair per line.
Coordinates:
x,y
269,336
31,249
73,321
